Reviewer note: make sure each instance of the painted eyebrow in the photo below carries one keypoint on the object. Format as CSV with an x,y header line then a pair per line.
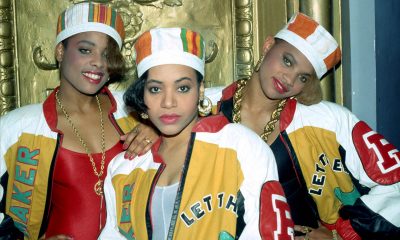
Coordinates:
x,y
293,59
307,74
86,42
176,81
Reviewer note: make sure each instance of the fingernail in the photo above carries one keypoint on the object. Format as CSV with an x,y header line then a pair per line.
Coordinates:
x,y
126,155
124,146
132,157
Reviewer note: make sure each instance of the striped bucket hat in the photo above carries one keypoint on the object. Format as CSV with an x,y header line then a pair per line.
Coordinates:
x,y
86,17
161,46
314,41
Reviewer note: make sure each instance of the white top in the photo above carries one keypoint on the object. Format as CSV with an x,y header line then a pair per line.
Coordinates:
x,y
162,205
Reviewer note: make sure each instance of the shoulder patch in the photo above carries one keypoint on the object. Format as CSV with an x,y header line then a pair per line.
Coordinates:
x,y
380,159
275,219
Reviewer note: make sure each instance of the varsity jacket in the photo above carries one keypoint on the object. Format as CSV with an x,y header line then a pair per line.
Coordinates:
x,y
350,172
229,187
28,148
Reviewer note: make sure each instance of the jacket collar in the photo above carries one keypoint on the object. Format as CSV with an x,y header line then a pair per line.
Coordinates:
x,y
50,107
287,114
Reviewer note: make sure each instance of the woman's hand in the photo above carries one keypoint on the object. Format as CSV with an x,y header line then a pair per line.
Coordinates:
x,y
320,233
139,140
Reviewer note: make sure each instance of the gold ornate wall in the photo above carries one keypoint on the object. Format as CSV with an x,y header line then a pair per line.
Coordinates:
x,y
233,29
7,73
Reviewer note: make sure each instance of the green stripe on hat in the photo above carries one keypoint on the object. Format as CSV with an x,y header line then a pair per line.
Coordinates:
x,y
63,21
91,13
113,19
184,40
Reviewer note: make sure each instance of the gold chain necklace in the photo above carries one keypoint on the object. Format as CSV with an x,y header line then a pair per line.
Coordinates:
x,y
237,103
98,186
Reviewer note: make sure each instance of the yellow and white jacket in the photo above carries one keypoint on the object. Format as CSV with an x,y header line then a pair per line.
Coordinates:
x,y
229,187
351,173
28,147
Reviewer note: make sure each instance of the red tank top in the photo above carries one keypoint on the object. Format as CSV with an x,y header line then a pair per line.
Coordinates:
x,y
75,209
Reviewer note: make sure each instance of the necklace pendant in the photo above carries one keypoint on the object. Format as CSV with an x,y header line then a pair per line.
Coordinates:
x,y
98,187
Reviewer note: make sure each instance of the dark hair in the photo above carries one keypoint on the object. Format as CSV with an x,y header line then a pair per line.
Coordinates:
x,y
134,95
115,61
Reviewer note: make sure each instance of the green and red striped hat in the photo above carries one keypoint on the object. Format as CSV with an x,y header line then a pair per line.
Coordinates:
x,y
86,17
161,46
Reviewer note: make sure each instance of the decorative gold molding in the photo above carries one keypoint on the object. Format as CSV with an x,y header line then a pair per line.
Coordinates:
x,y
244,38
133,19
7,83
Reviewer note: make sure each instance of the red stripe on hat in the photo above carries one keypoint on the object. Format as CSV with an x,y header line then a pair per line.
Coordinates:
x,y
102,14
303,26
195,47
333,58
143,47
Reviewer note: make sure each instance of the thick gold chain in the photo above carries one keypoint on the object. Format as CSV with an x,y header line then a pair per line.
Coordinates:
x,y
237,103
98,187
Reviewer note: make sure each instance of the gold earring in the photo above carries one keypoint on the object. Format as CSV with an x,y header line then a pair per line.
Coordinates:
x,y
204,106
258,65
144,115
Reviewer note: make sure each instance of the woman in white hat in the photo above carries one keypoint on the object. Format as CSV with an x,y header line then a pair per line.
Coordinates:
x,y
204,178
323,152
54,155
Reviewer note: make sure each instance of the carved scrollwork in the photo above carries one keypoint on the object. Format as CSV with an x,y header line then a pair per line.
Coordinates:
x,y
244,38
7,83
159,3
154,3
213,52
41,61
97,1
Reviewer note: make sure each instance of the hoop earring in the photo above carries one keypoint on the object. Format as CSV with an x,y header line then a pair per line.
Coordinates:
x,y
204,106
258,65
144,115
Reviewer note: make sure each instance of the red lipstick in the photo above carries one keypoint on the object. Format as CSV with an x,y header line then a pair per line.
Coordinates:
x,y
169,118
279,86
93,77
